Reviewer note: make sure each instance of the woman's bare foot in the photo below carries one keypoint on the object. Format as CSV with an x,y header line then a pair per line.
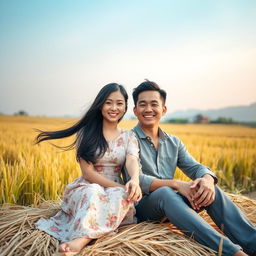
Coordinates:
x,y
74,246
240,253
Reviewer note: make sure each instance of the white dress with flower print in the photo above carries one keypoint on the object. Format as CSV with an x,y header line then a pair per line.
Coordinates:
x,y
90,210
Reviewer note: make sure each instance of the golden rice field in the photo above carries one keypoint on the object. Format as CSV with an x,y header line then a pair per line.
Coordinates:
x,y
29,173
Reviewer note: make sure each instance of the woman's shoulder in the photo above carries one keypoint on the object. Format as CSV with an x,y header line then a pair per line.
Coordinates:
x,y
128,135
127,132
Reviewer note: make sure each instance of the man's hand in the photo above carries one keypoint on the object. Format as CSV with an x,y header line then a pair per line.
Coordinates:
x,y
205,192
186,189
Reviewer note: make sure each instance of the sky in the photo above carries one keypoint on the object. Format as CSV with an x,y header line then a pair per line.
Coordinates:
x,y
56,55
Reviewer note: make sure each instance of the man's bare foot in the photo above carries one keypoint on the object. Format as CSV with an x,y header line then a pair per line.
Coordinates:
x,y
74,246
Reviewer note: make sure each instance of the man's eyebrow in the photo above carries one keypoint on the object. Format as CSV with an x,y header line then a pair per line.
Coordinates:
x,y
144,101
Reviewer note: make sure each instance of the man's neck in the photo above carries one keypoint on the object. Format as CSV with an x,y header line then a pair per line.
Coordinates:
x,y
151,131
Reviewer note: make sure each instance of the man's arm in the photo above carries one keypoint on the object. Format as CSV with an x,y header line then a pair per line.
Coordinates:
x,y
182,187
200,192
204,178
158,183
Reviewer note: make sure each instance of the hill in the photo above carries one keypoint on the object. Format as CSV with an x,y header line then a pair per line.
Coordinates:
x,y
237,113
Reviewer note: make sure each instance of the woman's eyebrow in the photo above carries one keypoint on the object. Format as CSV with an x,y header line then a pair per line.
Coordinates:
x,y
119,100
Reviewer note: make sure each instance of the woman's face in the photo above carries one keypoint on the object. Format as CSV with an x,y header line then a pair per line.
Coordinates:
x,y
114,107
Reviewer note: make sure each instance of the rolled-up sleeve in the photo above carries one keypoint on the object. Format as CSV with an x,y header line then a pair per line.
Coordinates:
x,y
145,182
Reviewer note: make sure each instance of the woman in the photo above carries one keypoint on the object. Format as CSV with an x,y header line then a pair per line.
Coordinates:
x,y
97,202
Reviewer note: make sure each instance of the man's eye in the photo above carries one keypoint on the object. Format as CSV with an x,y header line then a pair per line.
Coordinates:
x,y
155,105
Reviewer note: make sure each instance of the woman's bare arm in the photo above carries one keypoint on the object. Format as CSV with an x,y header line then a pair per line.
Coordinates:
x,y
132,186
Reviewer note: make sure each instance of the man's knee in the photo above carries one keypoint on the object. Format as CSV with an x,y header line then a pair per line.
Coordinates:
x,y
165,193
219,193
220,197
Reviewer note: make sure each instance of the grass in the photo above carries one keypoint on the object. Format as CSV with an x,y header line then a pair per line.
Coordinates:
x,y
31,172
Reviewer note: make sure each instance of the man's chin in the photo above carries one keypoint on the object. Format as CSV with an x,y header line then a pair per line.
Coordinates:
x,y
148,124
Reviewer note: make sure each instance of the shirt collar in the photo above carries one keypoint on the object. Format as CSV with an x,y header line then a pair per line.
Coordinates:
x,y
143,135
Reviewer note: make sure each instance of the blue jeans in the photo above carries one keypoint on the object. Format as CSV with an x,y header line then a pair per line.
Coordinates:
x,y
227,216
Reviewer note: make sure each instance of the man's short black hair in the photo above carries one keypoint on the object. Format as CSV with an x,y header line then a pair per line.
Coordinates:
x,y
148,86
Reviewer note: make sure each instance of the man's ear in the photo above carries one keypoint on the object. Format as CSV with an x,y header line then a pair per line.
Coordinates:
x,y
164,110
135,111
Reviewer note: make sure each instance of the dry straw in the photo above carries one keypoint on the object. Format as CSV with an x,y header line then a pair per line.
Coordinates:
x,y
18,235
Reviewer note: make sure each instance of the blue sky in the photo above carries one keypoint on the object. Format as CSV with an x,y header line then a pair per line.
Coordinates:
x,y
56,55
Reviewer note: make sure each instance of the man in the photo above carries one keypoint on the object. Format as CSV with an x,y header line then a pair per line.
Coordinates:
x,y
160,154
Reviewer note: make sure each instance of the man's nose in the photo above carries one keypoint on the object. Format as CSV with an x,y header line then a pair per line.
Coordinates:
x,y
148,108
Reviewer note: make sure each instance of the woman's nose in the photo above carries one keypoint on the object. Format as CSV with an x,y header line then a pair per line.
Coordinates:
x,y
113,107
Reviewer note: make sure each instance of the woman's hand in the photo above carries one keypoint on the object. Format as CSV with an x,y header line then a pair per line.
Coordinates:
x,y
133,188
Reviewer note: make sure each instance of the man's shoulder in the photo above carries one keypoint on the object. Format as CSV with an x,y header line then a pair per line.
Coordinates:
x,y
137,131
171,138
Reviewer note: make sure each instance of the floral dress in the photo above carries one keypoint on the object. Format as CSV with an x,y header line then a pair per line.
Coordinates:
x,y
90,210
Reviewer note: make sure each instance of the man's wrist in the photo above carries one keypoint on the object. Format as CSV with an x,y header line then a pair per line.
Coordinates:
x,y
174,184
208,177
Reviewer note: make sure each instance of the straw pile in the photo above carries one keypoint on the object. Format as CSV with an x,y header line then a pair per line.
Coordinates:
x,y
19,237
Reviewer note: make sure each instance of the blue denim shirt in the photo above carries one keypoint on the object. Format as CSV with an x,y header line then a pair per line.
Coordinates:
x,y
162,164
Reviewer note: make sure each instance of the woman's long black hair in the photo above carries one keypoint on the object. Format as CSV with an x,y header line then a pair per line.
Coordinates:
x,y
89,141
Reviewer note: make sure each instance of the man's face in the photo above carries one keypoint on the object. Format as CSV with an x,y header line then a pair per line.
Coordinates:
x,y
149,109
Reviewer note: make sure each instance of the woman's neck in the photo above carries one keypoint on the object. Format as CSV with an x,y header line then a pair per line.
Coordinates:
x,y
110,130
109,126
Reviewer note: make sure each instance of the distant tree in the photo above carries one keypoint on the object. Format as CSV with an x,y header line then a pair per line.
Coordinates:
x,y
21,113
177,121
223,120
250,124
